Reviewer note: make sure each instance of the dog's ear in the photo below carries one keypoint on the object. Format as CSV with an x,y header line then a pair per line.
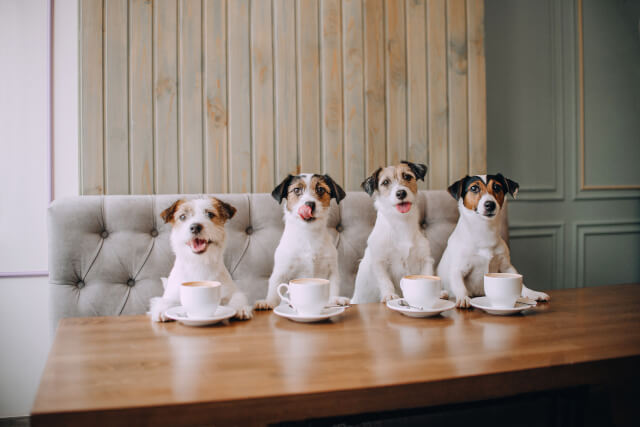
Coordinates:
x,y
418,169
280,192
224,209
336,191
456,188
371,183
167,214
511,187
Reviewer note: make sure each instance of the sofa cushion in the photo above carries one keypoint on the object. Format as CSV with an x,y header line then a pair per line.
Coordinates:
x,y
107,253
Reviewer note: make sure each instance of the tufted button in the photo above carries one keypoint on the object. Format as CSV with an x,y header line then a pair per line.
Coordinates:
x,y
339,228
104,234
154,233
80,284
131,282
249,230
423,224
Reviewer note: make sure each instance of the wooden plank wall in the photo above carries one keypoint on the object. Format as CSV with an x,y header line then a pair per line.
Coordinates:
x,y
192,96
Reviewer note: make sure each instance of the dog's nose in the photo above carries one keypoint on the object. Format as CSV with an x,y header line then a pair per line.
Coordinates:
x,y
195,228
401,194
312,205
489,205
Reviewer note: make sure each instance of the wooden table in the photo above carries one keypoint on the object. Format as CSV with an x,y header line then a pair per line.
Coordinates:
x,y
370,359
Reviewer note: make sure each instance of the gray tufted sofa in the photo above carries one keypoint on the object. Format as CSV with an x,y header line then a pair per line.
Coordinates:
x,y
107,253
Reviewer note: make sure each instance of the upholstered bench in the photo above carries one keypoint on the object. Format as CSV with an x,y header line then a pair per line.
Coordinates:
x,y
107,253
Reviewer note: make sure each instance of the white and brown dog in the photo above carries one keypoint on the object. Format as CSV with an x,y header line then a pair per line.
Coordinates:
x,y
197,239
396,246
475,246
306,248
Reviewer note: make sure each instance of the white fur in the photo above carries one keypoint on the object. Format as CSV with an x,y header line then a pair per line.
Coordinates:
x,y
474,249
190,266
306,249
396,247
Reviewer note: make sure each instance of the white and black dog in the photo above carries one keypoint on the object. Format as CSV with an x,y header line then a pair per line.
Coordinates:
x,y
197,239
306,248
396,246
475,246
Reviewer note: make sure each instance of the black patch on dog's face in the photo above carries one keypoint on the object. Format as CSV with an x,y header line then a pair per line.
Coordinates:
x,y
418,169
370,185
510,186
336,191
280,192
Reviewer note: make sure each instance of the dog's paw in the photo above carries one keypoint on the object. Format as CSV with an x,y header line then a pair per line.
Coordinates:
x,y
463,302
244,313
263,304
159,316
444,295
339,301
535,295
385,299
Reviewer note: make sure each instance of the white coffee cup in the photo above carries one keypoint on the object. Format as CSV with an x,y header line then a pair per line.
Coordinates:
x,y
502,289
420,290
307,296
200,299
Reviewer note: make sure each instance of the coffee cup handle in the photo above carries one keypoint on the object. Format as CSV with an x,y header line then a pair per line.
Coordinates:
x,y
282,286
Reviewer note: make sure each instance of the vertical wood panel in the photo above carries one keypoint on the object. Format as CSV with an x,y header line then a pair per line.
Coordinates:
x,y
417,84
331,86
116,109
308,68
437,95
165,91
477,89
190,97
141,97
230,96
354,135
91,100
374,82
285,87
457,71
262,96
396,81
239,97
215,89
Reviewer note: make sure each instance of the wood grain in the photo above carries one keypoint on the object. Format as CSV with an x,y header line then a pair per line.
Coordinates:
x,y
116,89
370,359
165,96
231,96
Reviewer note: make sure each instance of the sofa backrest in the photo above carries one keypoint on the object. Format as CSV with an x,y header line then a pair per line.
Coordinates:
x,y
108,253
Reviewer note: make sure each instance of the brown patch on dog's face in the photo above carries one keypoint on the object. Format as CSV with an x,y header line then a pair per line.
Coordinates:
x,y
184,211
321,190
402,174
295,191
496,189
474,191
221,211
169,214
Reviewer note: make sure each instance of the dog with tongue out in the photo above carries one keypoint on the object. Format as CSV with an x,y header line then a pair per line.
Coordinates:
x,y
306,249
396,246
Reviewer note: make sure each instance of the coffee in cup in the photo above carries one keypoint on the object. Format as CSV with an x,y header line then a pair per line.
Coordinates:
x,y
421,290
306,296
502,289
200,299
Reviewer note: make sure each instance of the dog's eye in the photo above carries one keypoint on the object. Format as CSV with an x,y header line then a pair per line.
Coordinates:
x,y
211,215
386,182
497,188
474,189
320,190
183,217
297,191
406,177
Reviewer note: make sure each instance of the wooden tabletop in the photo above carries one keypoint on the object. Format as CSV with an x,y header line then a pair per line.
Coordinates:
x,y
369,359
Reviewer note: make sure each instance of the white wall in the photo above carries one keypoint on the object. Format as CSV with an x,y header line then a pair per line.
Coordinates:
x,y
24,180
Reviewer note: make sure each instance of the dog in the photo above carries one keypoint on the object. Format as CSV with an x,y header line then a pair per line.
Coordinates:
x,y
197,239
396,246
306,248
475,246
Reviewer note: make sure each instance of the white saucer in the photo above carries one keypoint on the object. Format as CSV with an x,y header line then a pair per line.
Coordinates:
x,y
441,306
483,304
180,314
291,314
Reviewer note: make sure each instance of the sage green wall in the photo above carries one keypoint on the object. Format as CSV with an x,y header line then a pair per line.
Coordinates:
x,y
566,232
